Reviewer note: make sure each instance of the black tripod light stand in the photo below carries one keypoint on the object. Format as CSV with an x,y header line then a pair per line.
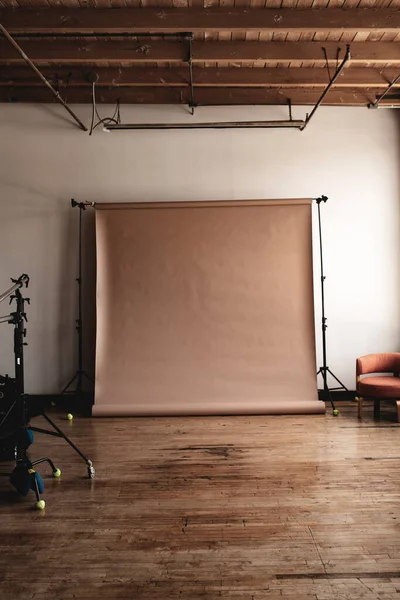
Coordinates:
x,y
80,374
325,370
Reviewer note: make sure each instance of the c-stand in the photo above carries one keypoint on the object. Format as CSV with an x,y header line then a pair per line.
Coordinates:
x,y
15,419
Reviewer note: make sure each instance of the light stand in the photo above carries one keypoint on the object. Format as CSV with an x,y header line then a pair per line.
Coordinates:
x,y
15,420
80,374
324,370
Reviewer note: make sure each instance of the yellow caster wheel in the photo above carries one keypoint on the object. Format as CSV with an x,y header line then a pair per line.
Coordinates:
x,y
40,505
70,417
335,412
57,473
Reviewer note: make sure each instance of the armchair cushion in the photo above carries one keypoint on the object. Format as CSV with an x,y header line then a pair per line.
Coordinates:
x,y
379,387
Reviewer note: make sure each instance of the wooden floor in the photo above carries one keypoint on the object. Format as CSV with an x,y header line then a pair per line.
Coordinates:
x,y
238,508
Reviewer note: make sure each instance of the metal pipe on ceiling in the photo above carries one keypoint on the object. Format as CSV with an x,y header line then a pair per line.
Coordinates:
x,y
41,76
328,87
286,124
190,65
388,105
88,34
389,87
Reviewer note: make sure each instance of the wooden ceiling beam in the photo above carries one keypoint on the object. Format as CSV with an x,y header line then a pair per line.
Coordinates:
x,y
202,77
129,52
203,96
163,20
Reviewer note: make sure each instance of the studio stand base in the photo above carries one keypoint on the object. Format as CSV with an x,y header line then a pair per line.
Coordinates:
x,y
24,477
324,372
57,432
78,380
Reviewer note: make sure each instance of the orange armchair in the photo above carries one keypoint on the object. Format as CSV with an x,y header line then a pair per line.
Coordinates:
x,y
378,387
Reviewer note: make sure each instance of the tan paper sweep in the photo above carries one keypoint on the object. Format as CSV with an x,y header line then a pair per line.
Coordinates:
x,y
205,308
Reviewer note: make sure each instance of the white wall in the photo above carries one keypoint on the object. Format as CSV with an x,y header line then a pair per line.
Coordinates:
x,y
349,154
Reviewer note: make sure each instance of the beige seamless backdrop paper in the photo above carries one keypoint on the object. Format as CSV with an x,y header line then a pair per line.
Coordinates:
x,y
205,308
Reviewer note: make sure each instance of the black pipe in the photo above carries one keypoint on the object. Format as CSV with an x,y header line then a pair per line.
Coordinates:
x,y
190,63
328,87
376,103
28,36
28,61
285,124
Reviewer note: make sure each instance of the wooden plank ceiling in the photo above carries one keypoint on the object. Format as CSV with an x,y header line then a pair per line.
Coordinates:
x,y
242,51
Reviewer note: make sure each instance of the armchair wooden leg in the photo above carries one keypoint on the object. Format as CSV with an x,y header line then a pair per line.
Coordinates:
x,y
398,410
360,407
377,409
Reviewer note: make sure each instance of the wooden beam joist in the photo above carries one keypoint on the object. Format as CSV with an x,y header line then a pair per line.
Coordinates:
x,y
164,20
203,96
202,77
129,52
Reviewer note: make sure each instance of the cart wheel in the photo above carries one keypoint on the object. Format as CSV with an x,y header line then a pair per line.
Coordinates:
x,y
57,473
40,504
91,472
335,412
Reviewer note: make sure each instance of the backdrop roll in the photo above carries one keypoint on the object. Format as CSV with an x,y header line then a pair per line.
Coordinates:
x,y
205,308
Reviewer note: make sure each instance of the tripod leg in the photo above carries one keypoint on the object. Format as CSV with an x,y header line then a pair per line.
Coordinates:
x,y
7,414
40,504
89,463
56,472
41,460
88,377
69,383
36,487
338,380
327,392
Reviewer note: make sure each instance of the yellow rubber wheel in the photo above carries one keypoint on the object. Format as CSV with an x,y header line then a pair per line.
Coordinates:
x,y
335,412
40,505
57,473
